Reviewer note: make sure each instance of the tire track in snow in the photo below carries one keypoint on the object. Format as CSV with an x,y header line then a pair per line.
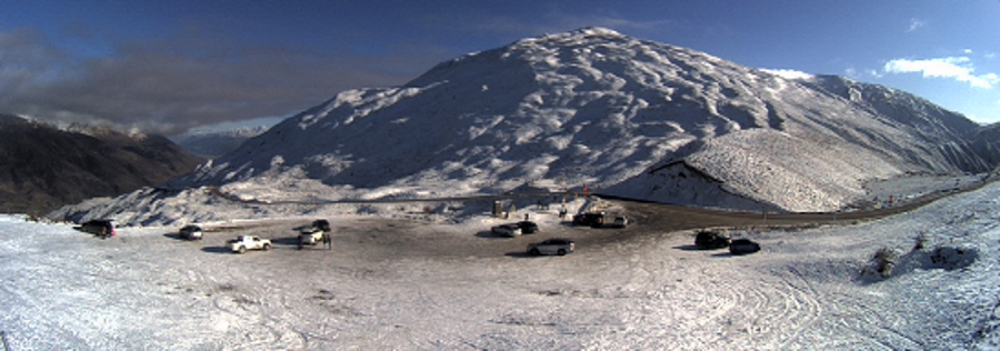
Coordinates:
x,y
874,326
806,294
245,314
770,311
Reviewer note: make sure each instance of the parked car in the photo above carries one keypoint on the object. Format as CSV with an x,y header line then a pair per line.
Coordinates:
x,y
710,240
593,219
322,224
621,221
103,228
248,242
309,236
191,232
743,247
557,246
510,230
527,227
312,235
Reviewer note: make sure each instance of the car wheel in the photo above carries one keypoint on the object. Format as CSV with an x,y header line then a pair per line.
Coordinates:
x,y
535,252
243,249
561,252
267,247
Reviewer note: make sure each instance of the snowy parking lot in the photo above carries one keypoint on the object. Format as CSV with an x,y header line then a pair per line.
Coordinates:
x,y
409,284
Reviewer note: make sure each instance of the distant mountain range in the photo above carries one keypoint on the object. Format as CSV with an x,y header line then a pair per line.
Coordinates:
x,y
215,144
43,167
619,115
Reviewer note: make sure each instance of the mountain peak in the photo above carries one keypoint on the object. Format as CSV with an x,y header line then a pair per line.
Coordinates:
x,y
576,35
588,32
592,107
582,36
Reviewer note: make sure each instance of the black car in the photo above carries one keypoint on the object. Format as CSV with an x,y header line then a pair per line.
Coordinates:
x,y
527,227
743,247
321,224
508,230
593,219
710,240
191,232
103,228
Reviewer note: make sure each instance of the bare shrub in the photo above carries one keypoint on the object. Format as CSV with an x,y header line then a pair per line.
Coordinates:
x,y
884,260
920,242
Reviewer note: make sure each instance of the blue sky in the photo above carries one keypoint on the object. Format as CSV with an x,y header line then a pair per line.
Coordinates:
x,y
168,66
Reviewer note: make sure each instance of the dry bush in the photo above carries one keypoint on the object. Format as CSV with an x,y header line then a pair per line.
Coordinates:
x,y
920,242
884,260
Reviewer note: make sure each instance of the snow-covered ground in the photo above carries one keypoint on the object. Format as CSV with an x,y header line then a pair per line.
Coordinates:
x,y
392,283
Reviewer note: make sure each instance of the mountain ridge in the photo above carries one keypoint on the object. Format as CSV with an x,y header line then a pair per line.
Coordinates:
x,y
596,108
43,167
214,144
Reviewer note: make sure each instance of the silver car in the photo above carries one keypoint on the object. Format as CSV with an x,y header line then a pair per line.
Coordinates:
x,y
557,246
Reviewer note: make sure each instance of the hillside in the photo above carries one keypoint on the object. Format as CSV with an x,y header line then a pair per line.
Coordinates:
x,y
596,108
43,167
987,142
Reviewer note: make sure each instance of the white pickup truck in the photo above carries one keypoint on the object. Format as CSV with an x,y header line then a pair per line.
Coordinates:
x,y
248,242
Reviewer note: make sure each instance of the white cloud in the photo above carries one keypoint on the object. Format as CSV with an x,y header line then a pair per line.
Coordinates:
x,y
967,51
915,24
855,73
959,68
789,73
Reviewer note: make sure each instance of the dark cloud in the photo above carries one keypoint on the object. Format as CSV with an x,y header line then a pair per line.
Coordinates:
x,y
169,86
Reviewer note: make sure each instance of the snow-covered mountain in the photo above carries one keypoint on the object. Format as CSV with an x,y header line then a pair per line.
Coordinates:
x,y
43,167
987,142
596,108
217,143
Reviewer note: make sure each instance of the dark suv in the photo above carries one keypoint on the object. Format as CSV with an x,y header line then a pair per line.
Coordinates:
x,y
321,224
100,227
527,227
593,219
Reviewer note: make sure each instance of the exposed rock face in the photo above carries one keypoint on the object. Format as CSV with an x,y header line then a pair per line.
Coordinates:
x,y
43,167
